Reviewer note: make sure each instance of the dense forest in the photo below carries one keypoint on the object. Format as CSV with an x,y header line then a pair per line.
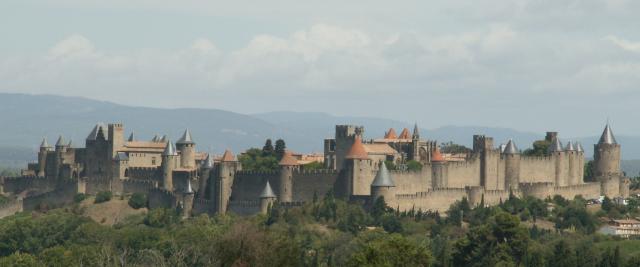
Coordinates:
x,y
326,232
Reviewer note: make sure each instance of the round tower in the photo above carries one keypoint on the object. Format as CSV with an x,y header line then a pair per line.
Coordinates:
x,y
187,149
187,200
606,156
383,185
168,165
438,170
205,174
359,170
580,157
267,198
557,152
224,180
511,156
287,165
42,157
572,163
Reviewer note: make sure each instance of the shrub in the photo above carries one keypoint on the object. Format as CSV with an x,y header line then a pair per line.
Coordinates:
x,y
79,197
103,196
138,200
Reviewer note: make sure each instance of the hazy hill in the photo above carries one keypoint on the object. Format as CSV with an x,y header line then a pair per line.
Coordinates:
x,y
27,118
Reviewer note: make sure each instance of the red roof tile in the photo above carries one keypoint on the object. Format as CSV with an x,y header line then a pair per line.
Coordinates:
x,y
357,150
436,156
404,134
391,134
288,159
228,156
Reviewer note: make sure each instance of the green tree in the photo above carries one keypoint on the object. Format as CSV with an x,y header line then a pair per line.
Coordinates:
x,y
254,160
103,196
563,255
19,260
138,200
453,148
393,250
539,149
413,165
280,148
267,149
390,165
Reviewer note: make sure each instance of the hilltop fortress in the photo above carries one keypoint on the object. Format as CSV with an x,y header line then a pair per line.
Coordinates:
x,y
176,175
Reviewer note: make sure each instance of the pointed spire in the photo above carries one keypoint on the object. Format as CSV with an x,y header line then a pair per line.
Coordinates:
x,y
132,137
120,156
383,178
186,138
555,146
189,190
416,131
228,156
391,134
164,139
579,147
607,136
288,159
170,150
357,150
404,134
436,156
44,143
267,192
510,148
70,143
155,138
60,141
208,162
570,147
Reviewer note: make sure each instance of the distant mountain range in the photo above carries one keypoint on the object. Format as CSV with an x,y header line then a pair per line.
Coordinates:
x,y
25,119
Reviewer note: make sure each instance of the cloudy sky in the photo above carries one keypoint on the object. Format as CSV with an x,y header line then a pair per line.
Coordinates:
x,y
532,65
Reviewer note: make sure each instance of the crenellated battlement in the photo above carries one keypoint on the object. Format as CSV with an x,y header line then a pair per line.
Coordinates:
x,y
314,172
257,173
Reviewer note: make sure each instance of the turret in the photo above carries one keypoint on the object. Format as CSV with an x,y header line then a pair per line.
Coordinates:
x,y
344,138
121,164
169,165
404,134
606,156
580,156
132,137
187,149
383,185
511,156
359,166
287,165
116,138
557,152
60,145
224,179
439,171
391,134
205,174
416,132
187,200
267,198
42,157
573,163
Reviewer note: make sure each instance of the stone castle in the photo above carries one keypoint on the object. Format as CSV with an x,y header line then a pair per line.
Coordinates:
x,y
176,175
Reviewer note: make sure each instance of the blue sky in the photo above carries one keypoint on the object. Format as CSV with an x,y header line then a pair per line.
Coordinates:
x,y
532,65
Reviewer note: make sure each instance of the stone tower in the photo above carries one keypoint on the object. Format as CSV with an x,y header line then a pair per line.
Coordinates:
x,y
187,200
205,174
572,163
224,179
267,198
383,185
606,156
511,156
345,136
556,151
287,165
187,149
42,157
116,138
359,170
439,173
169,163
59,157
415,143
489,161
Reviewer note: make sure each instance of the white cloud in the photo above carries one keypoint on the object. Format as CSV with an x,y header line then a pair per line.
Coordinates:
x,y
624,44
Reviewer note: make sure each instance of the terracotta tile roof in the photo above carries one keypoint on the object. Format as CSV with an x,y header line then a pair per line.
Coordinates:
x,y
404,134
228,156
379,149
391,134
357,150
288,159
145,144
436,156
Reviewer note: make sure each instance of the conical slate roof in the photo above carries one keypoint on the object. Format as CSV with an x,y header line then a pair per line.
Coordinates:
x,y
436,156
267,192
607,136
60,141
132,137
570,147
383,178
288,159
189,190
70,143
186,138
416,131
357,150
510,148
208,162
555,146
228,156
579,147
99,128
155,138
404,134
170,150
44,143
391,134
121,156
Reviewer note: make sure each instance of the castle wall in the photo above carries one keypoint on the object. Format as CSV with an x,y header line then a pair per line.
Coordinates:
x,y
10,208
201,206
493,171
435,200
410,182
145,159
130,186
244,207
161,198
587,191
15,185
247,185
537,169
95,185
63,195
308,183
494,197
145,173
464,173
